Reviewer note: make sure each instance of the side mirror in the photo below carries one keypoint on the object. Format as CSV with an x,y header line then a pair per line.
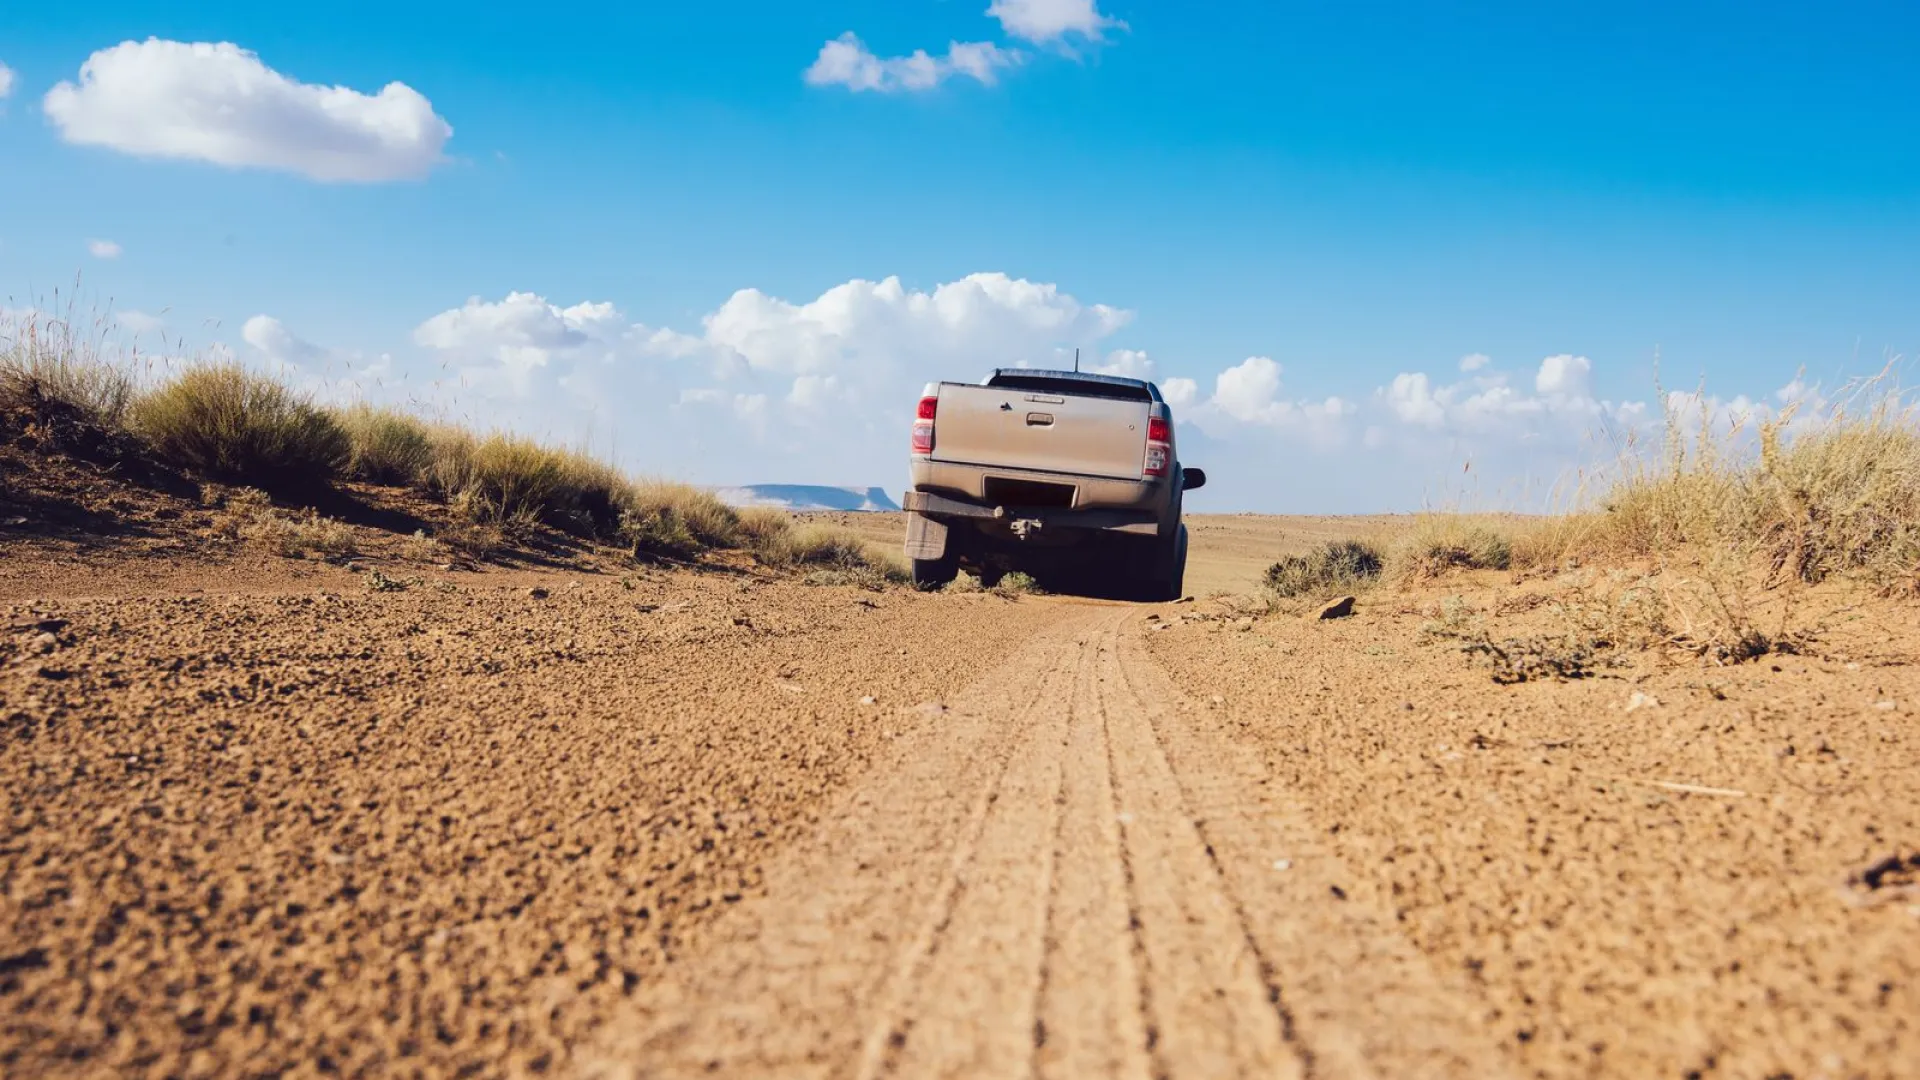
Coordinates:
x,y
1193,478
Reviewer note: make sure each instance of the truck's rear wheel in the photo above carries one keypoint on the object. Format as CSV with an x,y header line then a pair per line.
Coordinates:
x,y
929,574
1169,578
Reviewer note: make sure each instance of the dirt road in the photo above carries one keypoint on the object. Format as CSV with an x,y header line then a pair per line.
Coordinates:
x,y
626,824
1061,878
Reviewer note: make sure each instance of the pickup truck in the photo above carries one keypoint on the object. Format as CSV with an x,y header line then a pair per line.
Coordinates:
x,y
1071,478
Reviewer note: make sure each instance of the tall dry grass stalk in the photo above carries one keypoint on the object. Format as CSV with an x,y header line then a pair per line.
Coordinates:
x,y
48,364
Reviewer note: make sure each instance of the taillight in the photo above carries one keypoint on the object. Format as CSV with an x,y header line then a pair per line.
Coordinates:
x,y
923,425
1159,446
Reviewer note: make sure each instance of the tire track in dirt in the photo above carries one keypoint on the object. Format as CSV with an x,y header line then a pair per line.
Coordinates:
x,y
1059,878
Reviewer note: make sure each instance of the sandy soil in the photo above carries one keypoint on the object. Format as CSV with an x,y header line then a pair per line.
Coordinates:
x,y
261,818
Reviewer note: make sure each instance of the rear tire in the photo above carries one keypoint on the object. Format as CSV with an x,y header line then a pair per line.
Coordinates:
x,y
930,574
1170,568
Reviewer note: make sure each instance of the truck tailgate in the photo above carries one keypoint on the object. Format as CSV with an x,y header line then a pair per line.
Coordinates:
x,y
1019,429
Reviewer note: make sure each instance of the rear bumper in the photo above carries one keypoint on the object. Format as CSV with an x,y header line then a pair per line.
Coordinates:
x,y
943,507
969,482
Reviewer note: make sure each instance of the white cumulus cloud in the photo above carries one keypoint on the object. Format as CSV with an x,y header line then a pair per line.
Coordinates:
x,y
1042,21
1565,376
1180,392
218,103
277,343
846,61
1475,361
763,383
103,249
1250,393
6,82
1127,363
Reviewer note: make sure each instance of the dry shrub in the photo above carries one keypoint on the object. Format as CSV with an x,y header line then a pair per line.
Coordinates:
x,y
762,528
423,548
388,446
1338,566
659,519
964,583
832,556
1015,584
710,521
506,480
1439,543
229,423
249,516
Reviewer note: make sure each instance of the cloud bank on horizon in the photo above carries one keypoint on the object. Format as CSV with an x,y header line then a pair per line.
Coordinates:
x,y
768,389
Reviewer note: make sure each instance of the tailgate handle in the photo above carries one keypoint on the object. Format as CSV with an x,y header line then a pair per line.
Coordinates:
x,y
1046,399
1039,419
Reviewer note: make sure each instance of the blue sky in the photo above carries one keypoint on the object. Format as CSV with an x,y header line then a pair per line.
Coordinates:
x,y
1358,192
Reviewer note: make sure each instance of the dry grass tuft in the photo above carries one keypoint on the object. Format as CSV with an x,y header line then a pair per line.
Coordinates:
x,y
226,422
46,368
247,515
388,446
1015,584
664,520
1437,544
1339,566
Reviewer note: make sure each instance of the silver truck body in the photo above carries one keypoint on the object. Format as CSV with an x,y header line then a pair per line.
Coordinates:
x,y
1039,470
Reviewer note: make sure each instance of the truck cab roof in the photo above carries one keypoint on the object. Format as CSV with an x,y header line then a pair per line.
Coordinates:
x,y
1040,380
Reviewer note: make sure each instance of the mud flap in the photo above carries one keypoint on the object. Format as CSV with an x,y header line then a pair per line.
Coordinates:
x,y
926,538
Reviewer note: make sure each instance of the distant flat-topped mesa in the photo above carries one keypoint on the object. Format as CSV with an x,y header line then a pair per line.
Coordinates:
x,y
809,497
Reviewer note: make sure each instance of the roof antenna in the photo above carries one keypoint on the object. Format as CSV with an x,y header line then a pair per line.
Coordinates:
x,y
1076,361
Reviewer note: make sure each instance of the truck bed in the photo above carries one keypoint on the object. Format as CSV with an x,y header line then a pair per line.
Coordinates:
x,y
1019,429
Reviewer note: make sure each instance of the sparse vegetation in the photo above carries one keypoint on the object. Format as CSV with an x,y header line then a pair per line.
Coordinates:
x,y
388,446
1015,584
423,548
248,515
1437,544
45,369
1530,659
226,422
1339,566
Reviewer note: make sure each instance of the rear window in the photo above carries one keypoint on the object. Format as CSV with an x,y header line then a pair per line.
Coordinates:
x,y
1055,384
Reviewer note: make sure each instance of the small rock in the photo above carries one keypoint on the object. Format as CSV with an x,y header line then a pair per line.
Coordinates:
x,y
1283,864
869,700
1336,609
45,644
1886,706
354,568
1642,701
1218,700
1153,618
45,626
446,567
930,708
538,593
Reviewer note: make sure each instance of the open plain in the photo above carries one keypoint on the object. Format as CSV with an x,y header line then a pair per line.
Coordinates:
x,y
270,816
